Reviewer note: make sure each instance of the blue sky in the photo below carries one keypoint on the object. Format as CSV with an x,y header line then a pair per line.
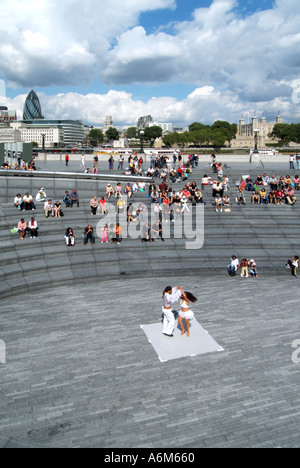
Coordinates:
x,y
179,60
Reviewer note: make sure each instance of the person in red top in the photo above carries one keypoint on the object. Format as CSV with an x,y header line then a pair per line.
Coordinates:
x,y
67,158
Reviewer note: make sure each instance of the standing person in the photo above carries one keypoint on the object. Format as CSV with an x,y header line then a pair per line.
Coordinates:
x,y
117,231
82,160
293,265
234,266
170,295
96,162
104,237
186,314
33,228
121,162
89,235
111,163
292,160
67,158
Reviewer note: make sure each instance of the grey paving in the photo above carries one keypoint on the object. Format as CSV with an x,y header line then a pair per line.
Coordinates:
x,y
80,371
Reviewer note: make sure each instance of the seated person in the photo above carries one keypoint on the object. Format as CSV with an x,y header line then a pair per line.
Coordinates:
x,y
57,209
49,208
279,196
94,205
259,180
255,198
290,198
272,198
263,196
218,204
89,235
226,201
273,182
67,199
22,228
249,184
297,182
240,197
18,201
28,202
109,191
41,196
128,190
198,197
70,237
74,198
5,165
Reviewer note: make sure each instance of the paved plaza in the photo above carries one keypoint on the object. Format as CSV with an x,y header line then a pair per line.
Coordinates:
x,y
77,369
80,371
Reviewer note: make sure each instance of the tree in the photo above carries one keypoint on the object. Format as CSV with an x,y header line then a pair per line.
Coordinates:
x,y
131,132
151,133
96,136
112,134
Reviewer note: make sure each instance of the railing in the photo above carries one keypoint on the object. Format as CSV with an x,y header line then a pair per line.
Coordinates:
x,y
72,175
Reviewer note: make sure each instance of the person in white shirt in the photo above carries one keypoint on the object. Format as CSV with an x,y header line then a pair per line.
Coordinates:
x,y
48,207
28,202
18,201
234,266
33,228
41,196
170,295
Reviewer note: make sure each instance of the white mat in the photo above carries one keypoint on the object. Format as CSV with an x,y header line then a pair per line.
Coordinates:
x,y
199,342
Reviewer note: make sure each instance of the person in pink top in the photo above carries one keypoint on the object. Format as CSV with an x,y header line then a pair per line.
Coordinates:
x,y
22,226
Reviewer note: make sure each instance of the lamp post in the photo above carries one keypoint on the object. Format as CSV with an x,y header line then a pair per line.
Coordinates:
x,y
43,137
255,151
142,133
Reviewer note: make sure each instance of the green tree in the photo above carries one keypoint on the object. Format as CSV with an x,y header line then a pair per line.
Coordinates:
x,y
131,132
96,136
112,134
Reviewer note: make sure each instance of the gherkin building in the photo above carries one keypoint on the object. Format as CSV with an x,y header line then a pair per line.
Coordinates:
x,y
32,107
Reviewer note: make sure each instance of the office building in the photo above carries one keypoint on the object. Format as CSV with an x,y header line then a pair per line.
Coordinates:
x,y
32,107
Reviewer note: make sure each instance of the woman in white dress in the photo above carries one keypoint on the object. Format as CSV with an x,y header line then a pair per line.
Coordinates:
x,y
186,314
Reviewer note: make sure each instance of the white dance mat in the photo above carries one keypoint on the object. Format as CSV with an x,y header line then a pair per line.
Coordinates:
x,y
180,346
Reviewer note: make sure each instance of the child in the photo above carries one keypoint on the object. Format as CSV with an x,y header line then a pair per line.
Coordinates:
x,y
244,268
186,314
104,234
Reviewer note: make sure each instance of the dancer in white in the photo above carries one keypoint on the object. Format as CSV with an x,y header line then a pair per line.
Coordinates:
x,y
186,314
170,295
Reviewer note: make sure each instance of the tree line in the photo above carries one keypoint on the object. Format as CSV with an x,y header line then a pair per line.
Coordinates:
x,y
286,133
198,134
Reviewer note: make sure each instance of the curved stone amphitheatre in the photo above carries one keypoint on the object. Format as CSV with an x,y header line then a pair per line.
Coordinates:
x,y
269,234
77,369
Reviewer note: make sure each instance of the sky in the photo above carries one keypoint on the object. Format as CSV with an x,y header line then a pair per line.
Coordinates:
x,y
182,61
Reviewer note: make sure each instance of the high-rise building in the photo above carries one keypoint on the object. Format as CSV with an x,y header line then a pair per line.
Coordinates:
x,y
108,123
144,122
32,107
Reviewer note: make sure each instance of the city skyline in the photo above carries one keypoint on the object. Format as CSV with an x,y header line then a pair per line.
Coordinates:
x,y
178,61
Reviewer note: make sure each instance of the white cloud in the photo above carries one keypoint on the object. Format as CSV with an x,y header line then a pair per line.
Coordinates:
x,y
234,62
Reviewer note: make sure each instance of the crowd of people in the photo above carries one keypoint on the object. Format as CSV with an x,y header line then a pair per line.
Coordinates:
x,y
168,203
